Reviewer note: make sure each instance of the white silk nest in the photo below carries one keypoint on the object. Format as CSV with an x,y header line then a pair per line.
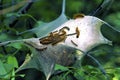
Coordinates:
x,y
90,33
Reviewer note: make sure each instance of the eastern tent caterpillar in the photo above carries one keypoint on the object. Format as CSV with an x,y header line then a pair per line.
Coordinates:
x,y
55,37
78,15
73,43
77,32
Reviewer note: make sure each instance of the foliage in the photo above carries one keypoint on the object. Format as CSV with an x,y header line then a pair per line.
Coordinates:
x,y
44,13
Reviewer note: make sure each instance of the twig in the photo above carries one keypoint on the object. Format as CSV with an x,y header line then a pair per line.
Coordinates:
x,y
26,7
21,11
15,7
12,8
96,61
111,26
105,4
108,8
13,41
99,65
8,42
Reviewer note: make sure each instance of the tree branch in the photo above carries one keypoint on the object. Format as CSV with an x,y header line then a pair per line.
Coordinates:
x,y
21,11
12,8
104,5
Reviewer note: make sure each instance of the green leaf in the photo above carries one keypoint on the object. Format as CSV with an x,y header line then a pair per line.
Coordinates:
x,y
12,60
3,37
2,69
5,70
116,74
60,67
12,14
21,16
78,76
6,37
16,45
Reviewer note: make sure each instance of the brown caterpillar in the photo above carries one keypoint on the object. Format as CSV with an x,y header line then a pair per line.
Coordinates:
x,y
55,37
77,32
78,15
73,43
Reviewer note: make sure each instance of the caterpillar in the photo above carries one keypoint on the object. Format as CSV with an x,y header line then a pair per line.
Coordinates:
x,y
78,15
77,32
